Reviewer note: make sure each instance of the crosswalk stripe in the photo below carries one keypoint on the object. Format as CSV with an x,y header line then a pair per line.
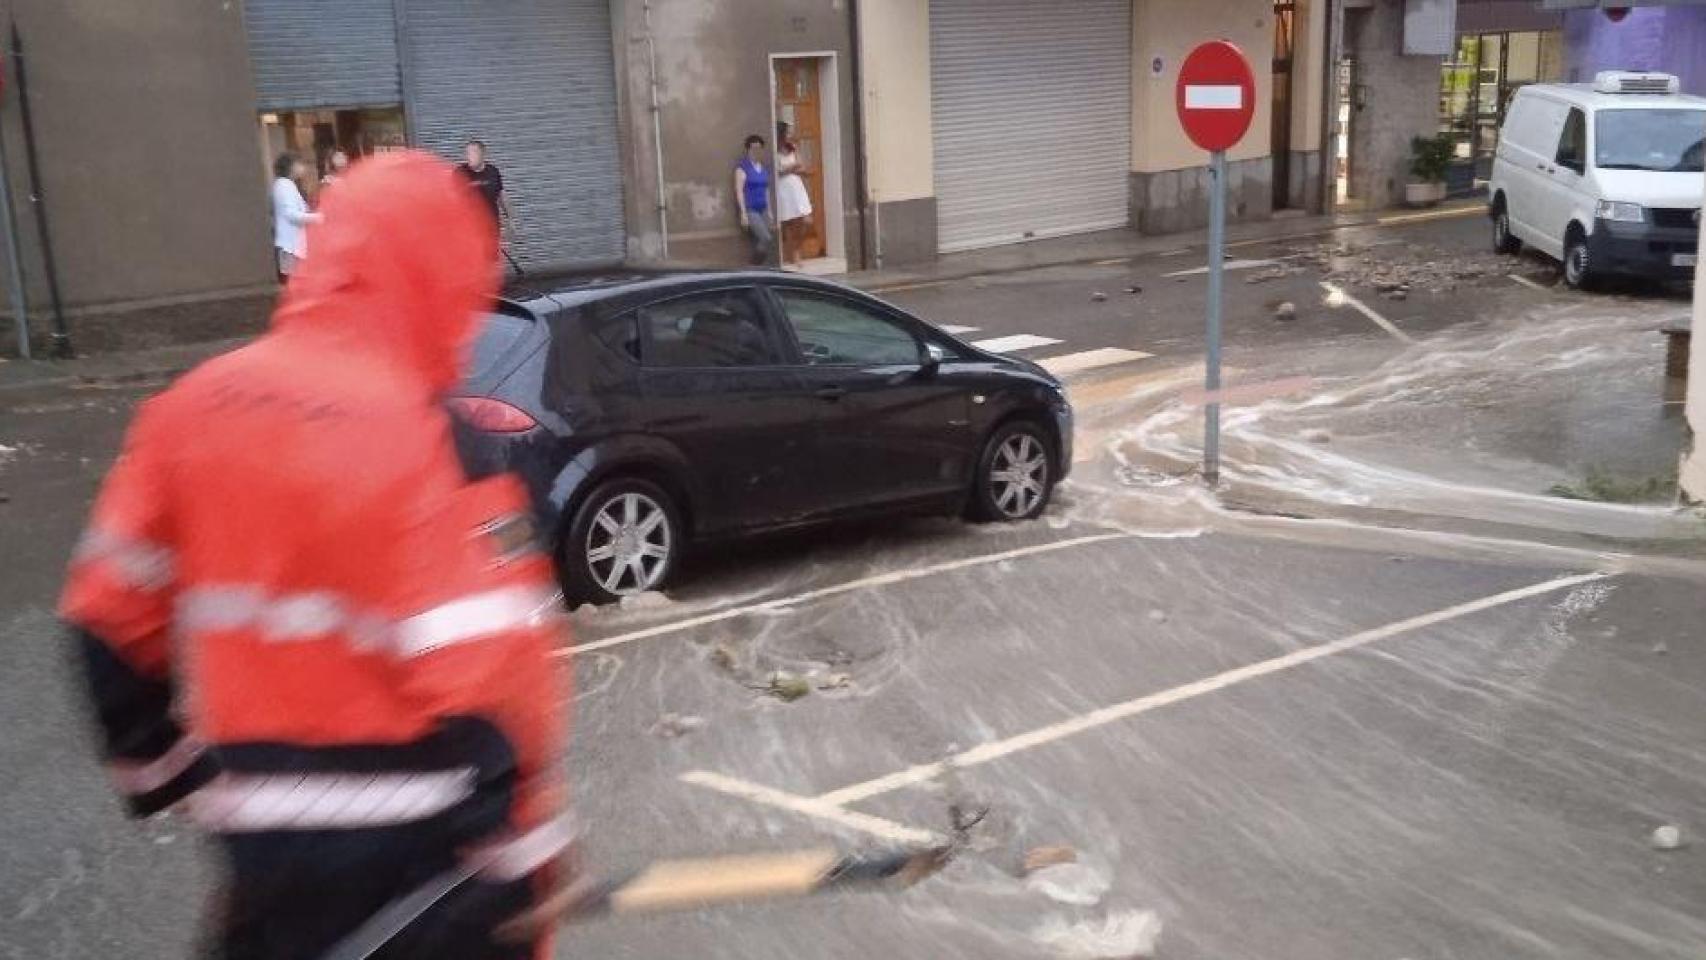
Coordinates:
x,y
1070,363
955,329
1018,341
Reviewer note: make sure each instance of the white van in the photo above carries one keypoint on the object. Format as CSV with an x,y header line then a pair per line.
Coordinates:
x,y
1606,177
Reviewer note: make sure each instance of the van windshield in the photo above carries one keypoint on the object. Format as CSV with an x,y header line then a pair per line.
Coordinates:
x,y
1668,141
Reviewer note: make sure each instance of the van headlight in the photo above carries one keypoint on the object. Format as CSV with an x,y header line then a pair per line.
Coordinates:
x,y
1619,211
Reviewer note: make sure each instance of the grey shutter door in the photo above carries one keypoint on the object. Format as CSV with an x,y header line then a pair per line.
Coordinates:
x,y
1031,112
535,80
308,54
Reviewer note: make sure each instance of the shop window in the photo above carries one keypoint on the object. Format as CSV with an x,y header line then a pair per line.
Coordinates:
x,y
314,135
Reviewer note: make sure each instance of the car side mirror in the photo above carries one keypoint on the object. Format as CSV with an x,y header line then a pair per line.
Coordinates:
x,y
931,359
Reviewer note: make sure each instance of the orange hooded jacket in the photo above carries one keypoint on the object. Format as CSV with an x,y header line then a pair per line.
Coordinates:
x,y
297,611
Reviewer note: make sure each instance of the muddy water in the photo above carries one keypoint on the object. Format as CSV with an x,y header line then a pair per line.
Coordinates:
x,y
1487,425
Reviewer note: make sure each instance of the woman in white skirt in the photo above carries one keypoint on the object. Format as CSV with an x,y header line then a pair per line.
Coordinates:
x,y
793,203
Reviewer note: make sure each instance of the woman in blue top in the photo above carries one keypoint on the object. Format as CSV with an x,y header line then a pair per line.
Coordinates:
x,y
752,193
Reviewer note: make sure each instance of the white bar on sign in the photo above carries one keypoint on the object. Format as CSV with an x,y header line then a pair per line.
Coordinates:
x,y
1227,97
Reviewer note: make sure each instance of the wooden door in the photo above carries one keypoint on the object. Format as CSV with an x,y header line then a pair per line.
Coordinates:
x,y
799,106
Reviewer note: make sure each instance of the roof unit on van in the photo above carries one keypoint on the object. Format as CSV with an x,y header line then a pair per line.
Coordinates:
x,y
1619,81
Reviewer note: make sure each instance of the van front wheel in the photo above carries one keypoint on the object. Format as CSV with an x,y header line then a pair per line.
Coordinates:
x,y
1578,265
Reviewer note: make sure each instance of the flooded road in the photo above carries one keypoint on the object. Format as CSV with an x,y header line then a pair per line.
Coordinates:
x,y
1384,695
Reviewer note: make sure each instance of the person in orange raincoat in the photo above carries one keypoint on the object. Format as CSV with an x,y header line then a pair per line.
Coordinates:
x,y
305,627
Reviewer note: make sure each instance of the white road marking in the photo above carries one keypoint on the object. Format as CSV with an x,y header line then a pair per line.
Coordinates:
x,y
1069,363
1338,297
1228,265
1041,736
1175,252
1110,262
1019,341
864,583
806,806
1530,284
956,329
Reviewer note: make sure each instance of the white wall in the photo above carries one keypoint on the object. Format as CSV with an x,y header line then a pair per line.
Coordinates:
x,y
894,66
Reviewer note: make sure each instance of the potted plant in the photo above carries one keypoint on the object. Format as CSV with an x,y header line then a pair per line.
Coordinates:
x,y
1430,158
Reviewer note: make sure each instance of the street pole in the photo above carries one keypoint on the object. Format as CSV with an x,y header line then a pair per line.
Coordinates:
x,y
1216,266
60,338
9,223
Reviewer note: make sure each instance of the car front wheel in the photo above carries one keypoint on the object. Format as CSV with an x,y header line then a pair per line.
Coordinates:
x,y
625,539
1015,474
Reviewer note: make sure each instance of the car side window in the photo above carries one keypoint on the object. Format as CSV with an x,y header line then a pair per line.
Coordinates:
x,y
722,328
833,331
1573,143
621,334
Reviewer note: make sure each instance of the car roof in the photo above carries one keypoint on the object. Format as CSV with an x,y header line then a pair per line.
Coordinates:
x,y
1584,95
567,293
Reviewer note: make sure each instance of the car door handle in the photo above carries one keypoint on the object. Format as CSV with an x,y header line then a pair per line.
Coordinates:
x,y
831,393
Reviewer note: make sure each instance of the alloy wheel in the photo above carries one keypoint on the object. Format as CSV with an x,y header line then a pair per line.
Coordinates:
x,y
628,544
1018,479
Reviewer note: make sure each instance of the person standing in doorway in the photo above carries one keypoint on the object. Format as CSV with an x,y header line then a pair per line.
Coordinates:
x,y
793,202
489,181
290,214
752,193
336,166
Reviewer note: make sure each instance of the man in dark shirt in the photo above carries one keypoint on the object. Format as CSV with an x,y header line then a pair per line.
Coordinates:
x,y
489,181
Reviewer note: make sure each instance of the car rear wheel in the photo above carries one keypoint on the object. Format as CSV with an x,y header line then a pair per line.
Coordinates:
x,y
625,539
1503,240
1015,474
1578,266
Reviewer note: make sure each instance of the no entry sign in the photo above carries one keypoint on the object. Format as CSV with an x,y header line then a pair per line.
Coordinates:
x,y
1216,95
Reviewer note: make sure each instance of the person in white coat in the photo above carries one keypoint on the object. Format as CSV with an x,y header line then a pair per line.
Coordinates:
x,y
290,213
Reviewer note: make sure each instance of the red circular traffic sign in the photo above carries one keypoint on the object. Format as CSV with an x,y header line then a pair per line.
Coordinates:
x,y
1215,95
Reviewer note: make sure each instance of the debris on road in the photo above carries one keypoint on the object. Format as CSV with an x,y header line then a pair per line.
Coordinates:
x,y
835,681
1157,616
1668,837
1098,297
1316,435
1285,310
649,600
1074,884
788,687
1038,858
1134,288
673,725
1127,935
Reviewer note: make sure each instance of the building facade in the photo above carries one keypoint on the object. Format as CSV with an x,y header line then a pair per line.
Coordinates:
x,y
1002,121
1662,36
927,126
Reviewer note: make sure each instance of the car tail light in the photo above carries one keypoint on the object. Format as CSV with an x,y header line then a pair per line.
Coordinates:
x,y
492,416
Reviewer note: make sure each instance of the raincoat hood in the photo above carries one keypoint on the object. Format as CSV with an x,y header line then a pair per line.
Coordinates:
x,y
402,263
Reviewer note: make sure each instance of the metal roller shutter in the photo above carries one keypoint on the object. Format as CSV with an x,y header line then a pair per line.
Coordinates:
x,y
1032,118
307,54
535,80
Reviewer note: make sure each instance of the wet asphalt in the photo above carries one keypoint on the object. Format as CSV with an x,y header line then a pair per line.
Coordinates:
x,y
1367,715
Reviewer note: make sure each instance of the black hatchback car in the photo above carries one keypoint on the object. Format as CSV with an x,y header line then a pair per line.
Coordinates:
x,y
648,412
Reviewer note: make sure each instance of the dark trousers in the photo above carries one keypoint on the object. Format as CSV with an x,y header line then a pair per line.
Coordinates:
x,y
294,895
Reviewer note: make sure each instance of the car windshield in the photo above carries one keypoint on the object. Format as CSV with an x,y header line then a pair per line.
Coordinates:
x,y
1668,141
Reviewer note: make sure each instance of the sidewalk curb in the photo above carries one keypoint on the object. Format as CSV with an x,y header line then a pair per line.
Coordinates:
x,y
1149,245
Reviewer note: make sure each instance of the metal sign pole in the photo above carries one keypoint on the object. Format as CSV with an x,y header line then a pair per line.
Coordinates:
x,y
15,271
1216,266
